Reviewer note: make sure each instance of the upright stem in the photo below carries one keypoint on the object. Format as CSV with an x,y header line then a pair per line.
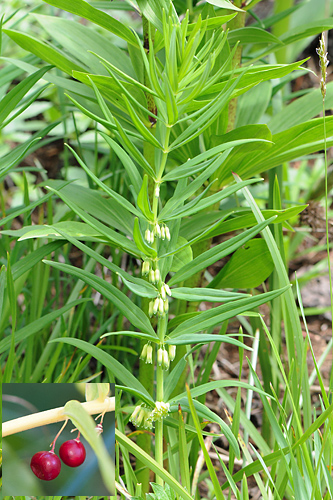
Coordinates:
x,y
159,397
146,370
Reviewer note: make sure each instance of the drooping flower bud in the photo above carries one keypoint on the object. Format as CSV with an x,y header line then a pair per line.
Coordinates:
x,y
152,276
160,356
157,276
145,268
172,352
162,292
156,305
149,357
167,233
151,308
147,235
166,305
160,306
143,354
165,362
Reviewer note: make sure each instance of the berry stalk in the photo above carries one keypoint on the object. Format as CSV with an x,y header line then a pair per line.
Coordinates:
x,y
55,415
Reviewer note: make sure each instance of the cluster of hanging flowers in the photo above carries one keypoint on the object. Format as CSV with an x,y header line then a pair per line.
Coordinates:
x,y
143,416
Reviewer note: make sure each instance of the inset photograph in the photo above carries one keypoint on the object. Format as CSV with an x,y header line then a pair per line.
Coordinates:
x,y
60,437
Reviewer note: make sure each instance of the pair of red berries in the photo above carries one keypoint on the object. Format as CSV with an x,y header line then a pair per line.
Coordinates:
x,y
46,465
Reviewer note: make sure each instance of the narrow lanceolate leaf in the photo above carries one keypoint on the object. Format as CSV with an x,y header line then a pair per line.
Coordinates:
x,y
117,197
213,254
43,50
219,314
139,125
204,338
119,371
117,239
131,148
87,11
205,294
143,200
132,312
13,98
130,167
140,287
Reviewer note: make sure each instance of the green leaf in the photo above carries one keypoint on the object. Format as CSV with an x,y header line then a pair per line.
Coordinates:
x,y
117,197
178,198
132,312
253,104
289,144
140,241
119,371
14,96
216,253
224,4
198,204
131,169
140,287
183,257
130,333
43,50
87,11
199,162
139,125
248,267
79,40
153,11
205,294
204,338
207,115
306,30
117,239
131,148
252,35
211,386
219,314
97,391
86,425
73,228
143,200
301,109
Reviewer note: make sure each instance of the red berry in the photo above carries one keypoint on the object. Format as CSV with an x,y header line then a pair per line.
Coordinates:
x,y
72,453
45,465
